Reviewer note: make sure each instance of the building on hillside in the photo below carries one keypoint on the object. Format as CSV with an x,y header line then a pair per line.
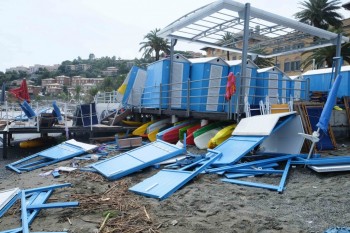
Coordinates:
x,y
96,81
88,86
54,89
82,67
47,81
35,68
69,67
53,67
291,63
18,69
80,81
79,67
110,71
63,80
34,90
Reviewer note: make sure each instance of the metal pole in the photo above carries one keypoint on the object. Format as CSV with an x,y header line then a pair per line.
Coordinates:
x,y
338,54
91,117
172,44
244,57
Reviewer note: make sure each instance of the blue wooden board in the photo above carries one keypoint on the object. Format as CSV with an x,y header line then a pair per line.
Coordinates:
x,y
61,151
158,186
166,182
137,159
235,148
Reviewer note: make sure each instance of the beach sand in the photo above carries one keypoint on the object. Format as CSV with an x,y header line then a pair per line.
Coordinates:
x,y
312,202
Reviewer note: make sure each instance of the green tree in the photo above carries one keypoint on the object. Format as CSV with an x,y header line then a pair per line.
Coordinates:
x,y
320,13
78,90
325,55
259,61
91,56
154,44
108,84
227,41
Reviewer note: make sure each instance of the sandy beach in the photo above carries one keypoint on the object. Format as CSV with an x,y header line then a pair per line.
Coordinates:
x,y
312,202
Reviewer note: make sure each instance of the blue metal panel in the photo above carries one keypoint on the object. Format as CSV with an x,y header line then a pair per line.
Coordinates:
x,y
61,151
264,89
248,85
52,155
137,159
158,73
200,74
321,82
132,76
235,148
166,182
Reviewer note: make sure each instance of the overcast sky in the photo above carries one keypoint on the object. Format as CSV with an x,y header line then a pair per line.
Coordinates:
x,y
50,31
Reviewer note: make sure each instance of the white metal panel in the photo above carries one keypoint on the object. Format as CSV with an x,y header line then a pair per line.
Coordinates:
x,y
260,125
176,91
297,89
214,87
137,89
332,168
83,146
285,140
246,82
7,195
273,88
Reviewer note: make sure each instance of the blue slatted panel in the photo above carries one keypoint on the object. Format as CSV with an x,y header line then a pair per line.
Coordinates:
x,y
159,185
61,151
236,147
137,159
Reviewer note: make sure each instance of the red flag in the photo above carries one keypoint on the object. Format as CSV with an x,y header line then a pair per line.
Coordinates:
x,y
21,92
230,86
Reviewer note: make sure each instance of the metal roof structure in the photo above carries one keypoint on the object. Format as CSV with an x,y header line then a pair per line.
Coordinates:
x,y
279,34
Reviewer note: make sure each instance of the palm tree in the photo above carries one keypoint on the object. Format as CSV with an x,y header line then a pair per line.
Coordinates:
x,y
320,13
227,40
325,55
259,61
154,44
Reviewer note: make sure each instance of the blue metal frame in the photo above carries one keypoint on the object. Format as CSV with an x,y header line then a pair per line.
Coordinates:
x,y
258,163
36,201
33,162
341,160
278,188
166,182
